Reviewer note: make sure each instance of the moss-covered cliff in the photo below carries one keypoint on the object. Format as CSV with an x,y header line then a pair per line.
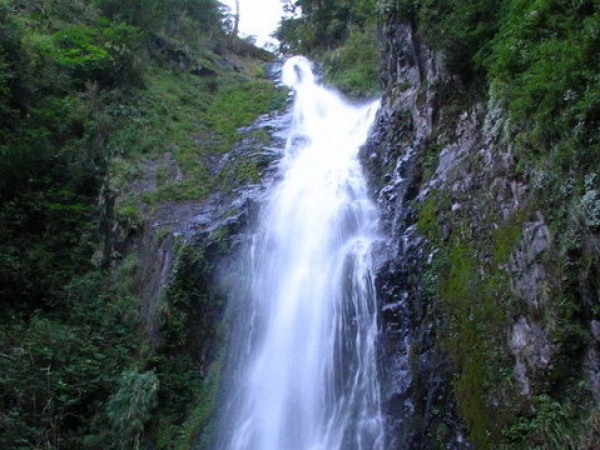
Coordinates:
x,y
485,167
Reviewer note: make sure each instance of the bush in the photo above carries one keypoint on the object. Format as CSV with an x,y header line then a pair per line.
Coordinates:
x,y
541,61
13,60
103,54
463,30
354,67
178,18
131,406
324,25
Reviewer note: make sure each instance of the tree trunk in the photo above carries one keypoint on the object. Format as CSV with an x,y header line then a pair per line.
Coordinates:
x,y
236,18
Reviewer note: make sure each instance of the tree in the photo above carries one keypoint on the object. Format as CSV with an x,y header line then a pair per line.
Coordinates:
x,y
236,18
322,24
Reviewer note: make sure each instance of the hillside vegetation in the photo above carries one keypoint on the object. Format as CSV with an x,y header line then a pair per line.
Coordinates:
x,y
341,35
113,111
109,110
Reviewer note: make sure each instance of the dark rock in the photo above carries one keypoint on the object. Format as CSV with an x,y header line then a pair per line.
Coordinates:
x,y
417,395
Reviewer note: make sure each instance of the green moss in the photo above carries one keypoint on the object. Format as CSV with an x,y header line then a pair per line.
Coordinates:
x,y
504,241
428,217
432,214
473,296
473,317
431,157
260,136
474,324
185,190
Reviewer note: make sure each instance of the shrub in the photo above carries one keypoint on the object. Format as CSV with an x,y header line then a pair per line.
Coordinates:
x,y
354,67
131,406
101,54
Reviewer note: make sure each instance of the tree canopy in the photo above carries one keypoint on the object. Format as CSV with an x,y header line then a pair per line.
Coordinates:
x,y
315,25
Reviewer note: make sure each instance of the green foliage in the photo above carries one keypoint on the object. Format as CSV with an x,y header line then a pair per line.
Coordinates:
x,y
197,427
57,371
53,163
100,106
12,60
45,238
186,364
179,18
189,307
323,25
554,425
342,35
542,60
187,404
100,54
53,14
354,67
462,29
131,406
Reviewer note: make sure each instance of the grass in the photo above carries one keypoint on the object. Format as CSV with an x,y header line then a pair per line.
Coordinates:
x,y
194,119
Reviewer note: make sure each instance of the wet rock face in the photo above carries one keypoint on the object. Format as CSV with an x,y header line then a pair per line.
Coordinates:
x,y
528,280
440,147
532,349
416,375
217,225
528,341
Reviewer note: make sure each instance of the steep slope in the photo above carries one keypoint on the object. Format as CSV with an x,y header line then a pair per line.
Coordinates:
x,y
121,154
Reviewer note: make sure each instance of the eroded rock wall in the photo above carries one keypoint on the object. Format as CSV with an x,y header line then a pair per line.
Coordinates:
x,y
484,328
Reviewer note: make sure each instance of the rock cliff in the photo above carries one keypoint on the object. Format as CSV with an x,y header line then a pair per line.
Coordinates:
x,y
489,309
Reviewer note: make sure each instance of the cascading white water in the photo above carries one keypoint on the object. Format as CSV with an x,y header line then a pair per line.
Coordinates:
x,y
307,376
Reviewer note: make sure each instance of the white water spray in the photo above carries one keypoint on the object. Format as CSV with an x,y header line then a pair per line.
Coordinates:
x,y
307,374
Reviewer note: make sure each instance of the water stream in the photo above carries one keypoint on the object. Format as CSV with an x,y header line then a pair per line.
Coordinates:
x,y
306,375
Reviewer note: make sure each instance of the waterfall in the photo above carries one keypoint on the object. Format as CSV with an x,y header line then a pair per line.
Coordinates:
x,y
306,375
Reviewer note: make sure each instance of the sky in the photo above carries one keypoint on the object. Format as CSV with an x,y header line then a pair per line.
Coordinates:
x,y
258,18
